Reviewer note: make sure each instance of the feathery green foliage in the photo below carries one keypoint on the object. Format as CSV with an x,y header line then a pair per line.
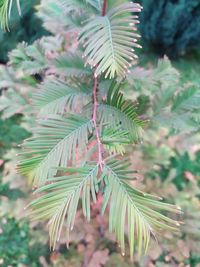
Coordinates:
x,y
54,144
71,5
109,40
87,119
62,197
57,97
115,140
72,65
5,11
117,112
27,27
140,210
30,58
66,15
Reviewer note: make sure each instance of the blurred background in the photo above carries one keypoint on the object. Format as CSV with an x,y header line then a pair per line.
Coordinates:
x,y
169,159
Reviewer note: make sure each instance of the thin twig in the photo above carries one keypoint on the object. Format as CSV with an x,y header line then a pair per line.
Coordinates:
x,y
94,119
95,106
104,8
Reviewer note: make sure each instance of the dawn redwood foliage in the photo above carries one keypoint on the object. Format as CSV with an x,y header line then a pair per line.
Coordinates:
x,y
88,126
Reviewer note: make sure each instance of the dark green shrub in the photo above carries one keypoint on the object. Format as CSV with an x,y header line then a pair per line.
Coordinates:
x,y
11,133
27,28
171,26
15,244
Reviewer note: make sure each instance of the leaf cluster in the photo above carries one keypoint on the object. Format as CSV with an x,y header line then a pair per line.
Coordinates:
x,y
88,119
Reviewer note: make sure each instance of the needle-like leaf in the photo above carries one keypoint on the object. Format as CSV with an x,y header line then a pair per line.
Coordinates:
x,y
60,202
120,114
55,142
109,41
128,205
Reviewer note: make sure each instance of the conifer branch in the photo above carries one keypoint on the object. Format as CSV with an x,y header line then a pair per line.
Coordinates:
x,y
95,103
53,156
94,119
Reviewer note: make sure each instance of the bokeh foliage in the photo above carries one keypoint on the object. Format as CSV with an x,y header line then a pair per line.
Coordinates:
x,y
26,28
171,26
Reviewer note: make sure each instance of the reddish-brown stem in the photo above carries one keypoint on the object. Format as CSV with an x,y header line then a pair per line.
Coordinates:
x,y
104,8
94,119
95,106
